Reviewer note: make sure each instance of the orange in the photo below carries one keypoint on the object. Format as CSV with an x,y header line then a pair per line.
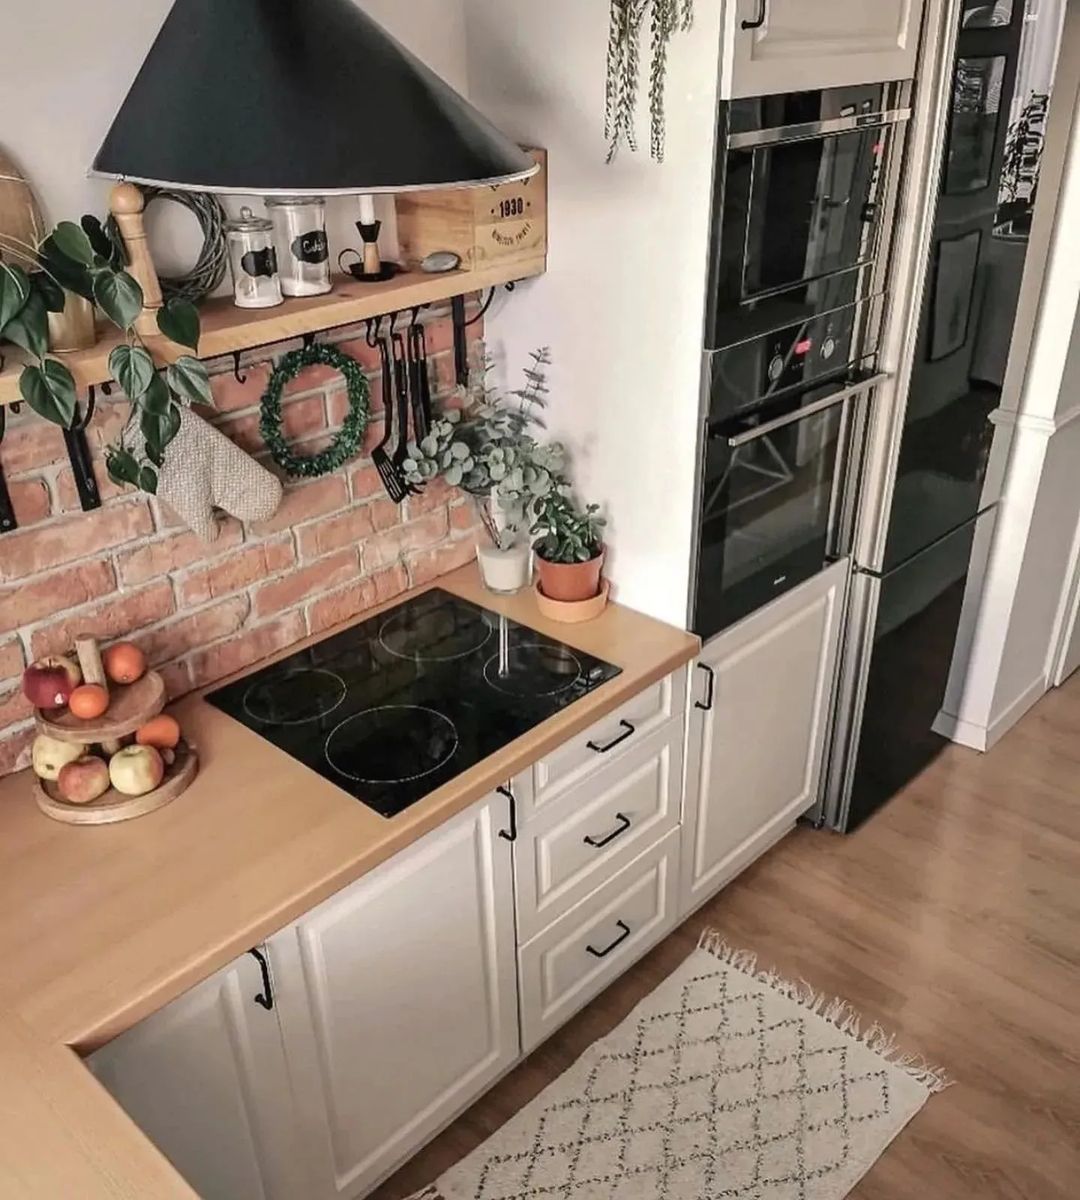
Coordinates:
x,y
89,701
162,732
124,663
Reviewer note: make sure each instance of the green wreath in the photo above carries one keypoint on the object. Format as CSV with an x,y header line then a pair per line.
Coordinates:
x,y
347,442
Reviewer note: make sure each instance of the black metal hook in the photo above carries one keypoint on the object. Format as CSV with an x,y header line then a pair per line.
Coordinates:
x,y
393,322
79,426
106,388
374,329
236,368
483,309
415,316
309,340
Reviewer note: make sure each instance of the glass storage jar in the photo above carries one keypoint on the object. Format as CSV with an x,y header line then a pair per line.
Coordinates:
x,y
300,238
253,261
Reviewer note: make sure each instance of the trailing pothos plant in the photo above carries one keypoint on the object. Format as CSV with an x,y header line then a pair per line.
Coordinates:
x,y
87,260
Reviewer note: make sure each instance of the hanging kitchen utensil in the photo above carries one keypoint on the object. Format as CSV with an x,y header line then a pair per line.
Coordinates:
x,y
393,483
420,384
402,399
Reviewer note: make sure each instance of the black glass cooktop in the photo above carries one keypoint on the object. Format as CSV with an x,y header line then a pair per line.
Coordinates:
x,y
393,708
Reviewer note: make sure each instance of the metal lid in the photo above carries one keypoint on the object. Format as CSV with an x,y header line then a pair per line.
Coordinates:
x,y
295,201
248,222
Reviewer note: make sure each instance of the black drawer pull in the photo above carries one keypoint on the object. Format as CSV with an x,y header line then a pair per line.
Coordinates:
x,y
265,999
759,20
706,705
624,825
509,835
629,731
617,942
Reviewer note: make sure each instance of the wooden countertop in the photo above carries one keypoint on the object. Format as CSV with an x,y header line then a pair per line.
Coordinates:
x,y
99,927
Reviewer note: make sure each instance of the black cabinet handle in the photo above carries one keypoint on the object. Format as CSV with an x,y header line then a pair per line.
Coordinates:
x,y
266,997
710,695
630,731
617,942
509,835
624,825
759,20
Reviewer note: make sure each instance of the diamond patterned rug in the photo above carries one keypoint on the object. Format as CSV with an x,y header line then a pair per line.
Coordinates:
x,y
725,1083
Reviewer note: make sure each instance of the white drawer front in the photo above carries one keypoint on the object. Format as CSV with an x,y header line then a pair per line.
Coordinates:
x,y
615,735
571,847
594,943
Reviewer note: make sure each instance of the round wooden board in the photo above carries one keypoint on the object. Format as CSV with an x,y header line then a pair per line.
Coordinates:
x,y
114,806
130,706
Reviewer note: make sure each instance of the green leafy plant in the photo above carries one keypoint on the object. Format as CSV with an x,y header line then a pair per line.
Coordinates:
x,y
491,450
565,532
88,261
666,18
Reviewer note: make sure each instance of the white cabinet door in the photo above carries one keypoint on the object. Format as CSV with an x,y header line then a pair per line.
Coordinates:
x,y
757,731
796,45
205,1079
398,1000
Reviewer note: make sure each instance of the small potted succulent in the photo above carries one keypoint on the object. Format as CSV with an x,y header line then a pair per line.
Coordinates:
x,y
489,450
569,548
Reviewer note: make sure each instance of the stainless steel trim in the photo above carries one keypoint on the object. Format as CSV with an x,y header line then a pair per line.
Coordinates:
x,y
834,548
860,624
811,129
809,410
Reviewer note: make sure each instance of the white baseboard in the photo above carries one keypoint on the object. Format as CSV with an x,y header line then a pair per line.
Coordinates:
x,y
984,737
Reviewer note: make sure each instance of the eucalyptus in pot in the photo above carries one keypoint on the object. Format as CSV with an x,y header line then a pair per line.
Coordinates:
x,y
569,548
489,450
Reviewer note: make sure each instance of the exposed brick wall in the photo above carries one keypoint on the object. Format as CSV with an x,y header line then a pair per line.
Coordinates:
x,y
131,569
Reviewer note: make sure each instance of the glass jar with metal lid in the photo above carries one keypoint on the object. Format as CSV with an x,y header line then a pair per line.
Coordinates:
x,y
253,261
302,248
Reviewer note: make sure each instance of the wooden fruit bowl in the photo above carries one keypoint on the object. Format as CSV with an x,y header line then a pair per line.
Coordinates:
x,y
115,806
130,707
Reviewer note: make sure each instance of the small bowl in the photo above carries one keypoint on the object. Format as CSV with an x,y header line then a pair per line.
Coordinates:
x,y
573,612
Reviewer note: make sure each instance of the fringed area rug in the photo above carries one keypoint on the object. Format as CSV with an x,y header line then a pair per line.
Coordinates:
x,y
726,1083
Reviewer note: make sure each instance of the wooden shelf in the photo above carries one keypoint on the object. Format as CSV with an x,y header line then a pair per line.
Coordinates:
x,y
226,328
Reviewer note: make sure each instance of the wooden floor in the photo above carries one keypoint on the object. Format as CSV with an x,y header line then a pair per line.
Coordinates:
x,y
953,918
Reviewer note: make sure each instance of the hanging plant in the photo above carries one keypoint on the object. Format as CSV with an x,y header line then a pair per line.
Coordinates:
x,y
628,17
85,261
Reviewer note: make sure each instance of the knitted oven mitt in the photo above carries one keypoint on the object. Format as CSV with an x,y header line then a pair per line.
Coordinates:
x,y
203,470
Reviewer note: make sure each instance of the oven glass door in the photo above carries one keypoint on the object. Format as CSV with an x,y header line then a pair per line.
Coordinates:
x,y
777,493
809,208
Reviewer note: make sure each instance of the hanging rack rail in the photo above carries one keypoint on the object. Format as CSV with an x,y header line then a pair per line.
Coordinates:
x,y
226,328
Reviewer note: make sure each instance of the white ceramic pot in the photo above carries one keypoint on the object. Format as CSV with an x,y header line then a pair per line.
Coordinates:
x,y
505,571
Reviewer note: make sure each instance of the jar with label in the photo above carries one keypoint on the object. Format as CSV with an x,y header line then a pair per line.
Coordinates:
x,y
253,261
302,249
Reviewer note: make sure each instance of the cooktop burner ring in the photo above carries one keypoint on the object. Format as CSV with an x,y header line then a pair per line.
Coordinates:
x,y
424,653
528,687
327,694
442,722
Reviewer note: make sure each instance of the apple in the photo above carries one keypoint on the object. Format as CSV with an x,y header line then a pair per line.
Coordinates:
x,y
47,687
84,780
136,770
48,755
68,665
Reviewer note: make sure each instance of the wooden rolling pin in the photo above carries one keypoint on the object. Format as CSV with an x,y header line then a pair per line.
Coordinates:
x,y
86,648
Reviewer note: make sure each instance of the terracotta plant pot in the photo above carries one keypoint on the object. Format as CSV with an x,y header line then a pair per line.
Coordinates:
x,y
570,582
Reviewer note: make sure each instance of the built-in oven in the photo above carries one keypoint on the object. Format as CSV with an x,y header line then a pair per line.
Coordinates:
x,y
803,220
778,496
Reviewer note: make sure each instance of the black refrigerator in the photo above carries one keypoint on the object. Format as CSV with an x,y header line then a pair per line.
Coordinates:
x,y
907,597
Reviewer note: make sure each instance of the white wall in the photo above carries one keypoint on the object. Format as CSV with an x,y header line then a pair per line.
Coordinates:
x,y
622,304
67,65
